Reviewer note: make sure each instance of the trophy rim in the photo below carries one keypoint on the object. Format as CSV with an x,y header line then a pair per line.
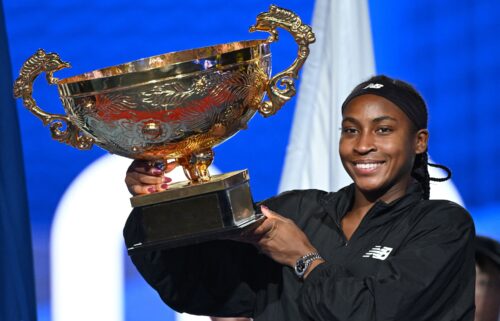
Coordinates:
x,y
161,62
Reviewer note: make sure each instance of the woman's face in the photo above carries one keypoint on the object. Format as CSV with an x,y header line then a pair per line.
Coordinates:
x,y
378,145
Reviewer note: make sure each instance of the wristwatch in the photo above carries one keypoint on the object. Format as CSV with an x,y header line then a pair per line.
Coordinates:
x,y
303,263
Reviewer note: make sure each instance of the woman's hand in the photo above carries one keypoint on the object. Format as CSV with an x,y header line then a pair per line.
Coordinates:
x,y
143,177
279,238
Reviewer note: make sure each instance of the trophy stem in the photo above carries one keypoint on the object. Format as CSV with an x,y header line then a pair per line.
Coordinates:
x,y
196,165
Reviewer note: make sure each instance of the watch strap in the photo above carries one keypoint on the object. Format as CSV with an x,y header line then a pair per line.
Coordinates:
x,y
304,262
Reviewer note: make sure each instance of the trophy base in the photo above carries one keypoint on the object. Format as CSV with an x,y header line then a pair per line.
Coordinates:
x,y
192,213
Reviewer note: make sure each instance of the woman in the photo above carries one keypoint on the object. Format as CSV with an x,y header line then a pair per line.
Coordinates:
x,y
375,250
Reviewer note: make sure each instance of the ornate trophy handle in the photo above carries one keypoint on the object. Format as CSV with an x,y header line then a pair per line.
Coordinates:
x,y
281,87
61,127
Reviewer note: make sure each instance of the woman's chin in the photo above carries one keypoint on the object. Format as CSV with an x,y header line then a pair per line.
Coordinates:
x,y
369,186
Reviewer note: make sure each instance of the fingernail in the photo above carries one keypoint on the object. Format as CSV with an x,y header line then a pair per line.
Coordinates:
x,y
164,186
152,189
264,207
166,179
156,171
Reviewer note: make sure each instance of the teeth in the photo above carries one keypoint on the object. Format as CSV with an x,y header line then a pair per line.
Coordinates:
x,y
368,165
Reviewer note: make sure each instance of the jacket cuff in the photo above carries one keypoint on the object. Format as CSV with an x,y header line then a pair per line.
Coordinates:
x,y
325,270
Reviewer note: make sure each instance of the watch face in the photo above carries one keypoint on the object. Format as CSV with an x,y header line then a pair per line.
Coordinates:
x,y
300,266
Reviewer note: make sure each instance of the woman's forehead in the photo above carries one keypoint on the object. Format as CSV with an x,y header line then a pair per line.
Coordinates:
x,y
371,107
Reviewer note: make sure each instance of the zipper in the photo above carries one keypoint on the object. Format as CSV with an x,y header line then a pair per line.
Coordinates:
x,y
342,235
344,238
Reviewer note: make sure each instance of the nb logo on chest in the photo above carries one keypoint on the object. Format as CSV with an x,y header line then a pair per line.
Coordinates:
x,y
378,252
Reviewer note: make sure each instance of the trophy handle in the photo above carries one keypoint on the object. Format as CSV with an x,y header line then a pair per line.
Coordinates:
x,y
281,87
61,127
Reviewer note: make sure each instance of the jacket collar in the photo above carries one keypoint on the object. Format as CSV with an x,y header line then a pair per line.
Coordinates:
x,y
338,204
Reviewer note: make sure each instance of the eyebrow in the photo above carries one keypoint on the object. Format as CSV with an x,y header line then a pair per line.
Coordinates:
x,y
381,118
375,120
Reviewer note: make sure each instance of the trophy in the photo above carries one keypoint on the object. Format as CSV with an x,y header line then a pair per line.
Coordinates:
x,y
179,106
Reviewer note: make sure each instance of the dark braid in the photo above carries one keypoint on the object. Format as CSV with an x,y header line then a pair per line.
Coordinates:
x,y
420,172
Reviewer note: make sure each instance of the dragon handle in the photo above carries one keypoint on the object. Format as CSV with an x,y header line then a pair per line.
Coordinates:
x,y
61,127
281,87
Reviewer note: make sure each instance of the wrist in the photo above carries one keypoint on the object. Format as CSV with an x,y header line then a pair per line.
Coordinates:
x,y
303,264
303,251
312,266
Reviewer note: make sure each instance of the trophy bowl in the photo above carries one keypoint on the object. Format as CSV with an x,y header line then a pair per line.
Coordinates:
x,y
177,105
172,105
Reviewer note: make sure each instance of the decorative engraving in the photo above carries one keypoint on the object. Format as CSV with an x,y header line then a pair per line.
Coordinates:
x,y
152,129
177,105
61,127
281,88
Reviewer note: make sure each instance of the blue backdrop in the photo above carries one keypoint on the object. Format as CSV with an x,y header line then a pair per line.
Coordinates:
x,y
449,49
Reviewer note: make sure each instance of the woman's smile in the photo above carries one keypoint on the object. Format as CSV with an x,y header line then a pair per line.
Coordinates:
x,y
366,167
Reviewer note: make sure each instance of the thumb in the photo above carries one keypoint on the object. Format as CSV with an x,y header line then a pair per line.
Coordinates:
x,y
269,213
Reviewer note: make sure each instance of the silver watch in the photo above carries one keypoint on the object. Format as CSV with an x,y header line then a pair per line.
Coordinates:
x,y
303,263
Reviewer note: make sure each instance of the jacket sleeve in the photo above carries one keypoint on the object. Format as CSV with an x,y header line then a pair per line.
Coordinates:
x,y
218,278
437,259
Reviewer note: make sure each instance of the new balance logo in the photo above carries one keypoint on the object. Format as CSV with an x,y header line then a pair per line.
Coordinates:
x,y
378,252
373,86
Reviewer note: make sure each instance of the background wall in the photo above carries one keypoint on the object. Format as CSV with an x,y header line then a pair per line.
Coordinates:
x,y
448,49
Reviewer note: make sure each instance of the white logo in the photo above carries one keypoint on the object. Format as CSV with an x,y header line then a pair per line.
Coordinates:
x,y
378,252
374,86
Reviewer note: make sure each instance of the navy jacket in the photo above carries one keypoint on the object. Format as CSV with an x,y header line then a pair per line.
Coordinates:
x,y
412,259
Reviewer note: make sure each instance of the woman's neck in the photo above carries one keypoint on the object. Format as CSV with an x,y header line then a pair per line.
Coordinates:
x,y
363,200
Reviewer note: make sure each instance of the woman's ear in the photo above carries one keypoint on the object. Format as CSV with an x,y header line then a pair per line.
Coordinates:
x,y
422,141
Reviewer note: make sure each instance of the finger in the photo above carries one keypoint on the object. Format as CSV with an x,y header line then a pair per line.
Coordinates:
x,y
264,228
154,168
135,178
142,189
161,187
140,166
270,213
272,232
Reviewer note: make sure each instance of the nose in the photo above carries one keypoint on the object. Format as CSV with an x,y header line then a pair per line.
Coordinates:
x,y
364,144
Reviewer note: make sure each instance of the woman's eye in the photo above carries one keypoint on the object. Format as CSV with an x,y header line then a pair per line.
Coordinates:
x,y
384,130
349,130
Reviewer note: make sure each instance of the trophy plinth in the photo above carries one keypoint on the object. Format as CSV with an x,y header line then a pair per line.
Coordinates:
x,y
178,105
186,214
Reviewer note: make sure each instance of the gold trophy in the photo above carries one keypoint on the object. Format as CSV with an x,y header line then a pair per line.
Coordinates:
x,y
179,106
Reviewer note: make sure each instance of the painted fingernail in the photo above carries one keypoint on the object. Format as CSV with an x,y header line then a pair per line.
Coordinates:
x,y
166,179
156,171
151,189
164,186
264,207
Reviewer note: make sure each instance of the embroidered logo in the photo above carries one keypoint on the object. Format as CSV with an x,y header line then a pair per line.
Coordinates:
x,y
378,252
373,86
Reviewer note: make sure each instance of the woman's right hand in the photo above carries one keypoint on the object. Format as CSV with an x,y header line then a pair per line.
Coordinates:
x,y
143,177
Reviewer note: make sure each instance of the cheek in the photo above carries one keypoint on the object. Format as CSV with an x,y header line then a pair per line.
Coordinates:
x,y
342,148
401,151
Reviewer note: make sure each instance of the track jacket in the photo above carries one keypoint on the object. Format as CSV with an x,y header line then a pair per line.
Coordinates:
x,y
412,259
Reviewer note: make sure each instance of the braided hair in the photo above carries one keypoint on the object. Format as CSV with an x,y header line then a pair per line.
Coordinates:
x,y
413,105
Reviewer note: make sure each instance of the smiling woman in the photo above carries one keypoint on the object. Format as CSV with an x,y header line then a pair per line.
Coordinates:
x,y
378,146
378,249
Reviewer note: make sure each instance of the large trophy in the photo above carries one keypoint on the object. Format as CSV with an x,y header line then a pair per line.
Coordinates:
x,y
179,106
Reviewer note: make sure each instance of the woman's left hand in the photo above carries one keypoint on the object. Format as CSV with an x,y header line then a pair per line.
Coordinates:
x,y
279,238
